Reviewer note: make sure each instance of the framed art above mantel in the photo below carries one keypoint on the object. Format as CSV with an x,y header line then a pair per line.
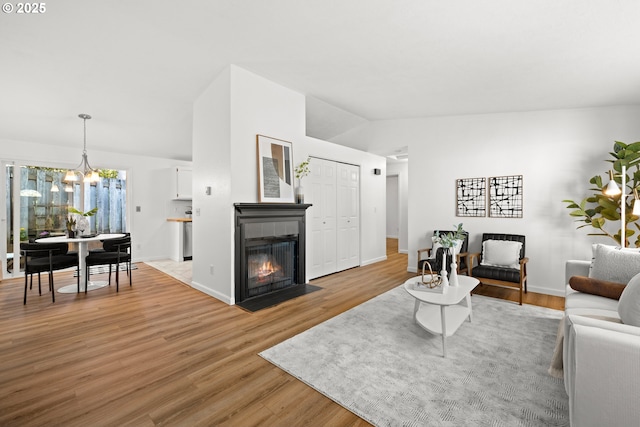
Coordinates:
x,y
275,170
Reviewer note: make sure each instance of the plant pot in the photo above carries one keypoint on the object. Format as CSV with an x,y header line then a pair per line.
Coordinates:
x,y
71,234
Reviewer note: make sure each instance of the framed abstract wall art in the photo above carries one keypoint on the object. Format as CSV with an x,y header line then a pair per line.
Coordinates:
x,y
505,196
275,170
471,197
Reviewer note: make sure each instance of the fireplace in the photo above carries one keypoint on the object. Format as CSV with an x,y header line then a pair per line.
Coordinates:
x,y
269,253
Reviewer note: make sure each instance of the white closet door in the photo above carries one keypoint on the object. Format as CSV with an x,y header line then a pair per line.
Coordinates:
x,y
322,240
348,216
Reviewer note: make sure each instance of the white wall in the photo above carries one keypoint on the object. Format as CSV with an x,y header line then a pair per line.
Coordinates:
x,y
236,107
401,170
212,266
556,151
147,183
393,209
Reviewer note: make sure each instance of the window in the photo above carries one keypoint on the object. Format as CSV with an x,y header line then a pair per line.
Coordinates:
x,y
40,204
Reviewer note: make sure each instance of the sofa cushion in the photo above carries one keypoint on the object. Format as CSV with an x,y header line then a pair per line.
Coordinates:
x,y
501,253
598,287
582,303
629,305
613,264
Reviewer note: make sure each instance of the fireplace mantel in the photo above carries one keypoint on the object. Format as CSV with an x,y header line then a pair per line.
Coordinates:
x,y
270,209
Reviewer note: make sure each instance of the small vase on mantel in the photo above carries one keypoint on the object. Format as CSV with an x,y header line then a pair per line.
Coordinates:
x,y
299,194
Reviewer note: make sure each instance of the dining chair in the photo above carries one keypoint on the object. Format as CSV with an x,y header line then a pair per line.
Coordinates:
x,y
46,257
116,251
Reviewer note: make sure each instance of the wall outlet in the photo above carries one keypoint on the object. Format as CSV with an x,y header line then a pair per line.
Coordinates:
x,y
211,269
197,211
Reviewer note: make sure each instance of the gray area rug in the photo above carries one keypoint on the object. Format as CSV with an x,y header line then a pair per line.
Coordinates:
x,y
376,362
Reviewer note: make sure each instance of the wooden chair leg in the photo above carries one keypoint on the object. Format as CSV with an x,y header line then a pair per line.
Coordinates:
x,y
109,274
520,293
39,286
117,276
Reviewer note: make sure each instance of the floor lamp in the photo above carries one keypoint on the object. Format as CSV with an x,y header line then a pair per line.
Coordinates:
x,y
613,190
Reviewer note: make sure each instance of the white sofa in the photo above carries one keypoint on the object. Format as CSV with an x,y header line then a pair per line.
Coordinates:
x,y
601,359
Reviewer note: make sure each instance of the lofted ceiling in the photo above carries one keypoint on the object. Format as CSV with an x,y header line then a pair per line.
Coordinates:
x,y
137,66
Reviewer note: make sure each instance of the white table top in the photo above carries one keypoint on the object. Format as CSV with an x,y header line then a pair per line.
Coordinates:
x,y
66,239
452,295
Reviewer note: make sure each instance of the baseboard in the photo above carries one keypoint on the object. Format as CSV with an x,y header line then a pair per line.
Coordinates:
x,y
212,293
403,251
546,291
373,261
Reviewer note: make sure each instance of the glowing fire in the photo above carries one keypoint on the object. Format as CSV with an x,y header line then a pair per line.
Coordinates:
x,y
266,270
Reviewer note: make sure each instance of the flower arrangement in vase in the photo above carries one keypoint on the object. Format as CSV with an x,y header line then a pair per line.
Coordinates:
x,y
301,171
449,241
81,223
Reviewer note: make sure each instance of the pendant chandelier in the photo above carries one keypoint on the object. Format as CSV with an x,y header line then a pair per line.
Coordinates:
x,y
88,173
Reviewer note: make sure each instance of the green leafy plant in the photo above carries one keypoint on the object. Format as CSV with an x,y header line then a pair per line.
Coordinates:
x,y
92,212
302,169
597,209
448,240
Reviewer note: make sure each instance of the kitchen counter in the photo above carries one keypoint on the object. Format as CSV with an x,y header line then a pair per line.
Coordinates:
x,y
180,219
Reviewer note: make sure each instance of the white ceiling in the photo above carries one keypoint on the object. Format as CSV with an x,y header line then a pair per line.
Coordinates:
x,y
137,66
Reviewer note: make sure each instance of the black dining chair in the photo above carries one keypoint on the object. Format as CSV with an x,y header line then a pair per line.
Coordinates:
x,y
46,257
116,251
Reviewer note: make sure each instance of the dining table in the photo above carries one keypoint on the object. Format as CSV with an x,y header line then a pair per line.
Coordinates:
x,y
83,250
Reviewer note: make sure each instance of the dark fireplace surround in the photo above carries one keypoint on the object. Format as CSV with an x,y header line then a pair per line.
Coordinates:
x,y
269,253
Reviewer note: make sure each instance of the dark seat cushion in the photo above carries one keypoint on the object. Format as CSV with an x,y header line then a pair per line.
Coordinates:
x,y
496,273
99,258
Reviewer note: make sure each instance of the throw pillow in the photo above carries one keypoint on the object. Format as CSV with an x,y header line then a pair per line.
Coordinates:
x,y
629,304
598,287
613,264
501,253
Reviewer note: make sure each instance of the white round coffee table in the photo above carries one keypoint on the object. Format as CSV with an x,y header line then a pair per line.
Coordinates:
x,y
442,313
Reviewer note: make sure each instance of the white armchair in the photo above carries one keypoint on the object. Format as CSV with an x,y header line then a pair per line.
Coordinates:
x,y
602,372
601,359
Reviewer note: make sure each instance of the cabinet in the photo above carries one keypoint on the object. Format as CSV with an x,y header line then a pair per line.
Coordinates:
x,y
181,183
333,189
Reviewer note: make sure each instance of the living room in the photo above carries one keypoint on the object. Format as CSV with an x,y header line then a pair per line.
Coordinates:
x,y
553,126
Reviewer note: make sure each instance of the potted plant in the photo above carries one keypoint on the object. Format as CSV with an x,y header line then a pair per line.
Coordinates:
x,y
597,209
71,224
301,171
82,221
449,241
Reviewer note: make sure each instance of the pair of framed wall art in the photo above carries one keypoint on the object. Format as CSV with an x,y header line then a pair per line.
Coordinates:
x,y
504,196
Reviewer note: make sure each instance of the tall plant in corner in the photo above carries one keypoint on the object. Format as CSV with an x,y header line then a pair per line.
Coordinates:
x,y
595,210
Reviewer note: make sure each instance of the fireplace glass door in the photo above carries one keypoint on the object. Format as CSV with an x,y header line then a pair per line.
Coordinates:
x,y
270,266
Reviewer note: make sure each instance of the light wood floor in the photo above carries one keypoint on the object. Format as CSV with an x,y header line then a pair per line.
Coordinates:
x,y
161,353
